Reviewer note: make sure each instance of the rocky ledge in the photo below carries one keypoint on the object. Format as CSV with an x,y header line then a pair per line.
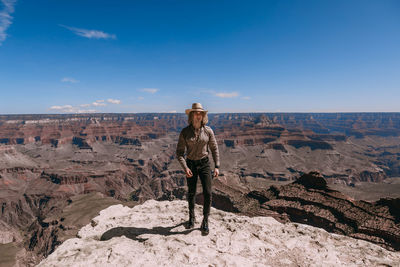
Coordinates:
x,y
153,234
310,201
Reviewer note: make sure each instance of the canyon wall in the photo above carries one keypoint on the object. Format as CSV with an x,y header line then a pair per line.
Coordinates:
x,y
48,160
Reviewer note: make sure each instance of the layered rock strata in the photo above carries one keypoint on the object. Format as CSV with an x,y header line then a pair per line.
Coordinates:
x,y
310,201
47,160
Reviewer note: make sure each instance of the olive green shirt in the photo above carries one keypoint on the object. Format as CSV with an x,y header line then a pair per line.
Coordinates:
x,y
196,145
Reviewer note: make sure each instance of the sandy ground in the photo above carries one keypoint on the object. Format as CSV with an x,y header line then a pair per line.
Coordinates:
x,y
153,234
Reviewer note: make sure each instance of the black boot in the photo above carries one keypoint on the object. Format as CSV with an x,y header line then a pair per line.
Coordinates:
x,y
204,226
192,220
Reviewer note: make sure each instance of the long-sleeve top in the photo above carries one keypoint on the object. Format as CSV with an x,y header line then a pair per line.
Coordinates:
x,y
196,145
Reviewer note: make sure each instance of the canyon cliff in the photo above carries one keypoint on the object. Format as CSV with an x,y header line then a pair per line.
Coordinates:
x,y
52,164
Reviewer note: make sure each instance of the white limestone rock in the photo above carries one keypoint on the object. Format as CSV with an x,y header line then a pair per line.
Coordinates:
x,y
153,234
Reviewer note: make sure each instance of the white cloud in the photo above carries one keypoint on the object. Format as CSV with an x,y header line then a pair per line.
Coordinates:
x,y
91,34
84,108
217,94
140,97
149,90
69,80
99,103
6,18
71,109
114,101
227,95
246,97
61,107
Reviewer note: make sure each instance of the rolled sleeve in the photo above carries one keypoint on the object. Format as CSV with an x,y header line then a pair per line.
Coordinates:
x,y
180,151
214,148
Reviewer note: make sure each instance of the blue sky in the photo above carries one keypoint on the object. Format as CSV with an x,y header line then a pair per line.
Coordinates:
x,y
232,56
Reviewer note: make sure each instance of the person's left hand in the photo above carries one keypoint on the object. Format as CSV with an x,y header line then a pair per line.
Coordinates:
x,y
216,172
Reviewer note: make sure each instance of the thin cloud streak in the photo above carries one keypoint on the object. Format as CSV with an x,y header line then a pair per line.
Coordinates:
x,y
102,103
69,80
220,94
60,107
91,34
6,18
71,109
149,90
227,95
97,103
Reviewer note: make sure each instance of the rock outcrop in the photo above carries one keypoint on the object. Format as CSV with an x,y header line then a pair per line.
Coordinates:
x,y
310,201
153,234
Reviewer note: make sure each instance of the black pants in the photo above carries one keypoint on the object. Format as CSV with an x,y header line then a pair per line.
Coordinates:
x,y
200,168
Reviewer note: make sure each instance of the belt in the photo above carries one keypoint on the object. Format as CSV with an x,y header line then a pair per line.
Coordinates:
x,y
200,161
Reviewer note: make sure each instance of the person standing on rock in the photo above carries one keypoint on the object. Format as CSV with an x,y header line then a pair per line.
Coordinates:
x,y
197,139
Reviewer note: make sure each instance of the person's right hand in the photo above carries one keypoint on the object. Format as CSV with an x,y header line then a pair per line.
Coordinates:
x,y
188,173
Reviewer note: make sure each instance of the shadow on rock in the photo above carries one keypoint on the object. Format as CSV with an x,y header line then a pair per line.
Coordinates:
x,y
134,232
313,180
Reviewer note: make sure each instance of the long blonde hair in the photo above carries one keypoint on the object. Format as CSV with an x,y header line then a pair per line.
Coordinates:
x,y
203,122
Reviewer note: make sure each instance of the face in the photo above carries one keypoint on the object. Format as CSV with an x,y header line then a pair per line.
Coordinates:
x,y
198,116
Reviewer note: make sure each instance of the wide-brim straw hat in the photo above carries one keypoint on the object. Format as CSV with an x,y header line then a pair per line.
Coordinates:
x,y
195,107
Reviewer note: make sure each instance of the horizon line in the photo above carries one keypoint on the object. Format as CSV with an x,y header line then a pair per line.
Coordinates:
x,y
214,113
